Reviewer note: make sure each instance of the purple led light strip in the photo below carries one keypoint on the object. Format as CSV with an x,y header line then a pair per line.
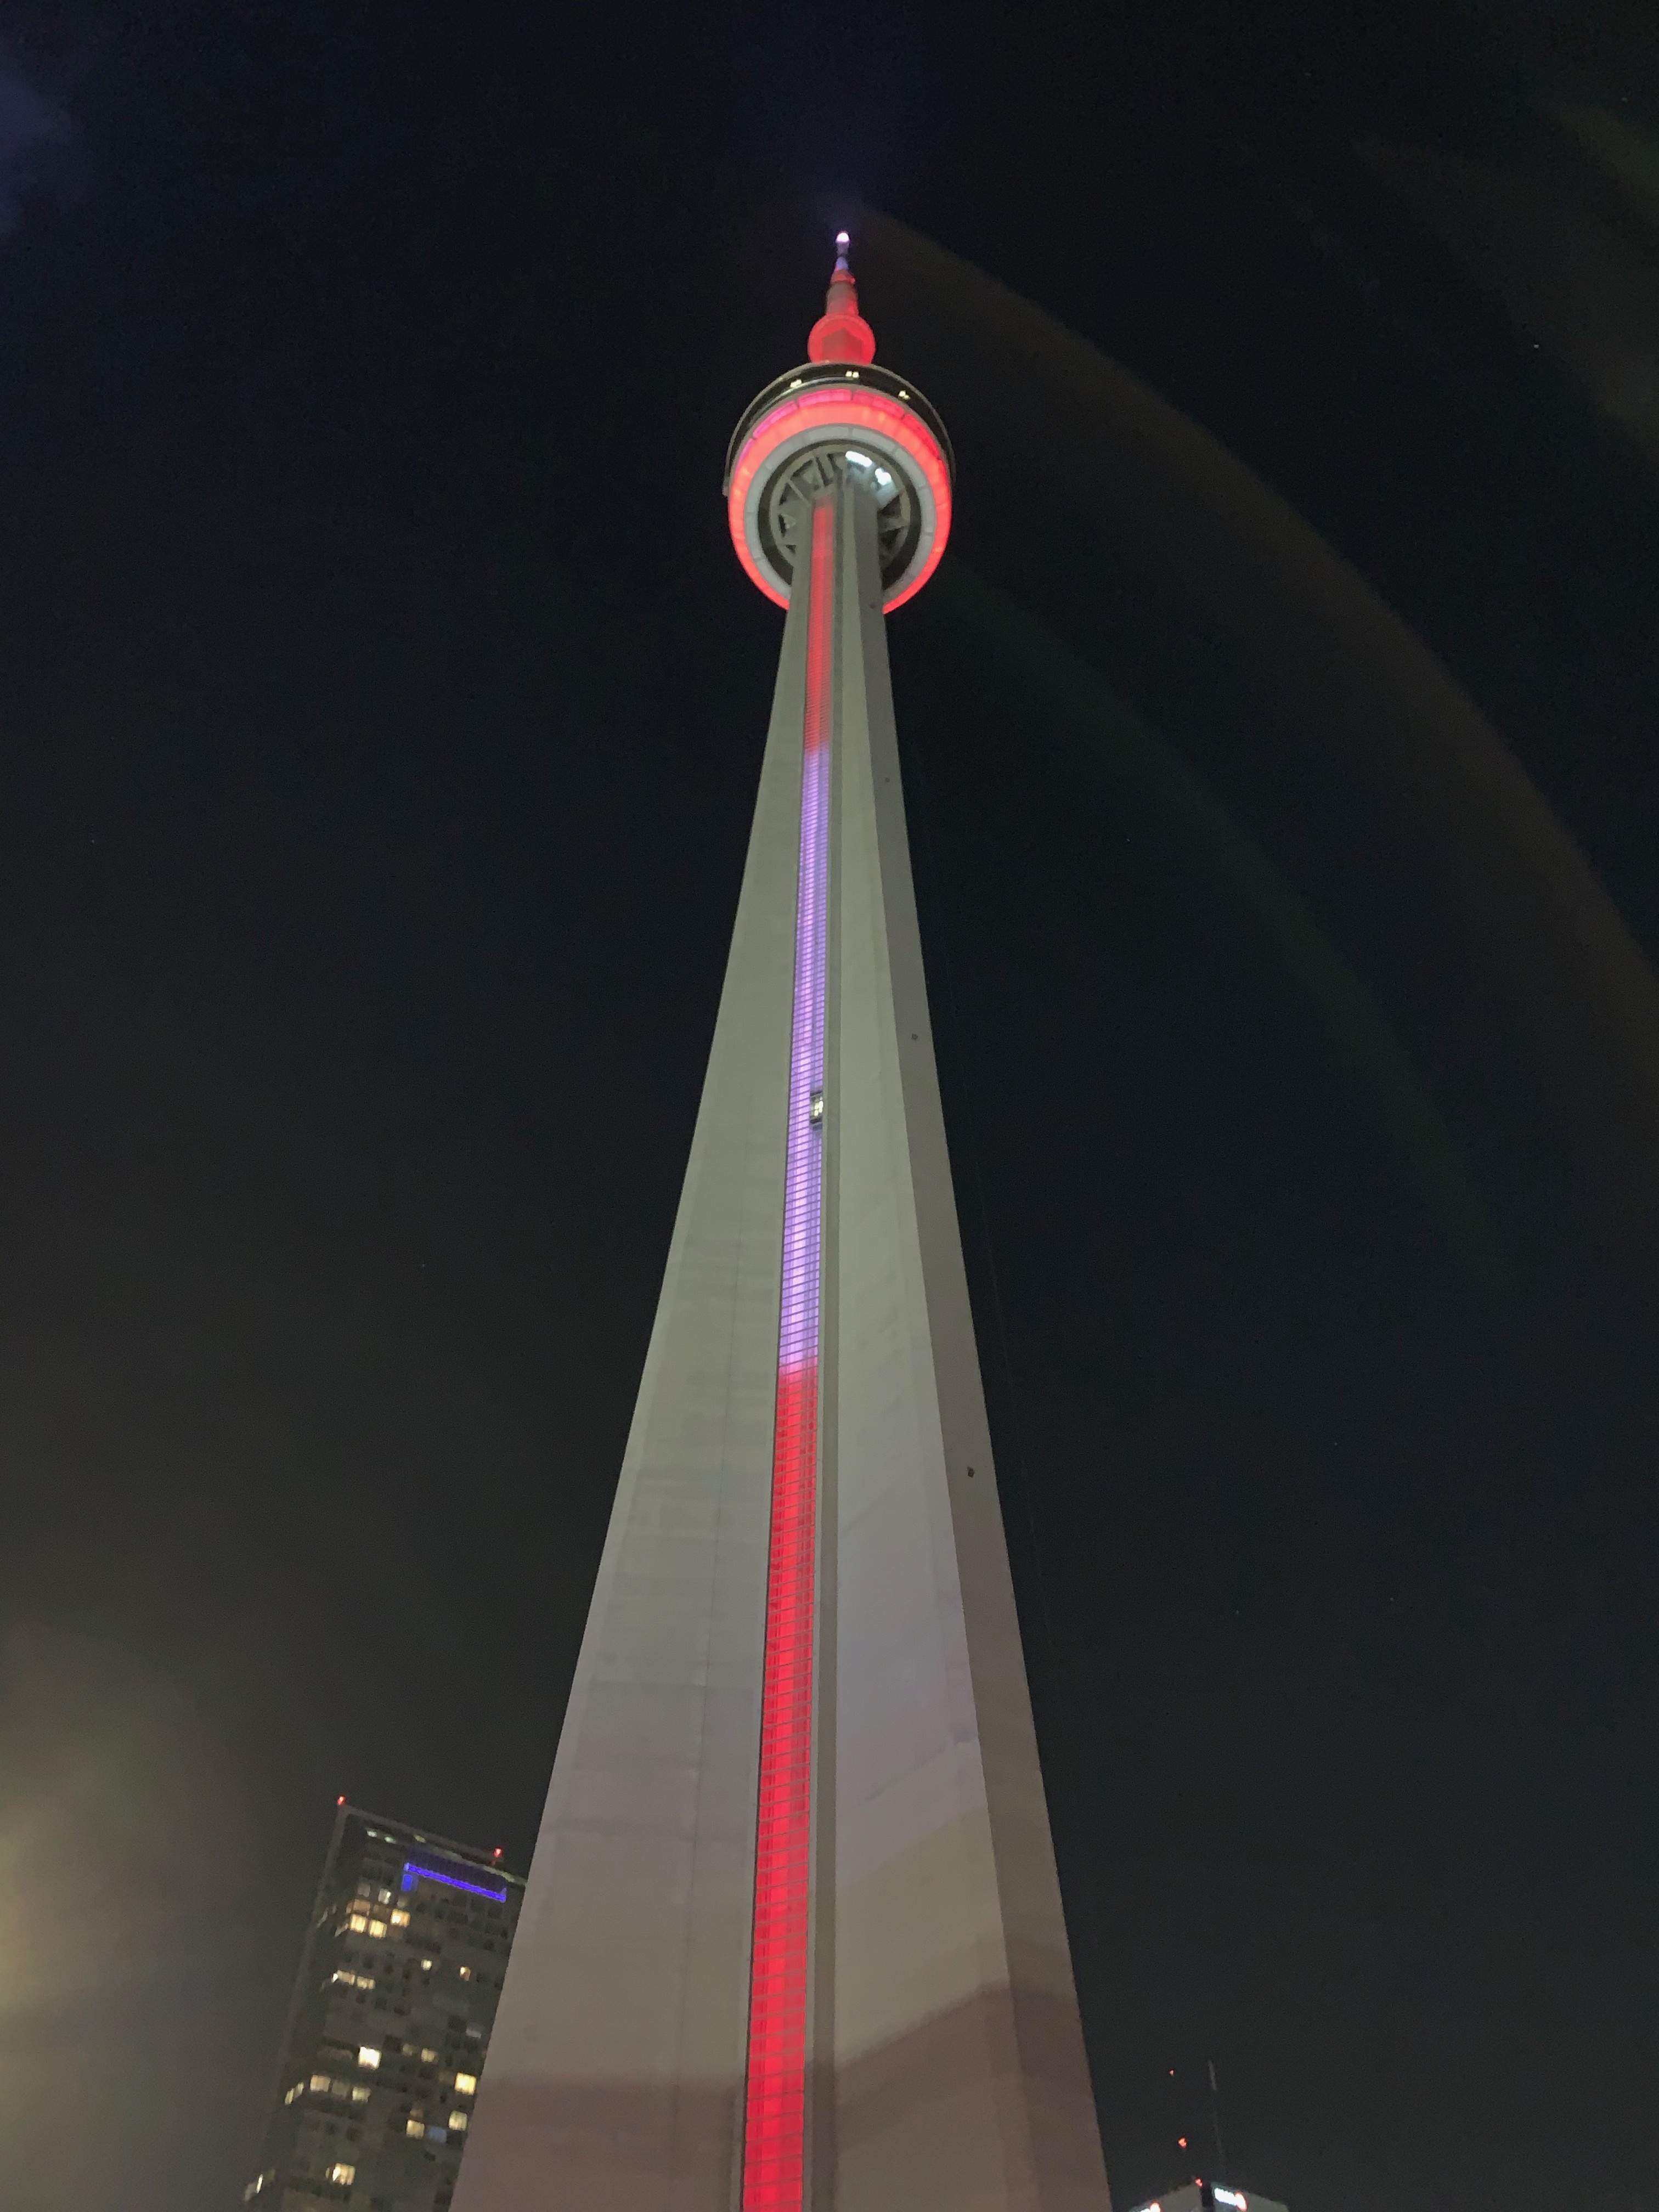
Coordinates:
x,y
798,1323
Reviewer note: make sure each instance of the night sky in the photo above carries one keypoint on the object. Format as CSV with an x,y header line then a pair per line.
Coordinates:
x,y
382,710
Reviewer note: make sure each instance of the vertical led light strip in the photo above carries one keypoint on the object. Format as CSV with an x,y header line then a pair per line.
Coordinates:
x,y
775,2117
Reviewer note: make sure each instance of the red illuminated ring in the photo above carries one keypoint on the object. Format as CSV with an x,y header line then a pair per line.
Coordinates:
x,y
825,411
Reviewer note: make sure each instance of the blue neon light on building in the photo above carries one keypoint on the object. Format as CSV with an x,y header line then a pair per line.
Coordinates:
x,y
412,1874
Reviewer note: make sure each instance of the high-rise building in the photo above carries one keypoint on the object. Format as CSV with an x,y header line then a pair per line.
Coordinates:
x,y
389,2021
792,1936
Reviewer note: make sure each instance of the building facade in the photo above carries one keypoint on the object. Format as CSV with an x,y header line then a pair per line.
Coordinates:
x,y
793,1936
389,2024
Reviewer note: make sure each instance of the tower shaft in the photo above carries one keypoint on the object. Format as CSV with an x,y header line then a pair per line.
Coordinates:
x,y
792,1938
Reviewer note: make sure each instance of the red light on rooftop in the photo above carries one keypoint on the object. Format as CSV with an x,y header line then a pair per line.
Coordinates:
x,y
339,1800
1181,2141
496,1853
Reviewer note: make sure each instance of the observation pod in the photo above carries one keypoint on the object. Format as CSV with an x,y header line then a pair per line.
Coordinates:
x,y
840,415
792,1939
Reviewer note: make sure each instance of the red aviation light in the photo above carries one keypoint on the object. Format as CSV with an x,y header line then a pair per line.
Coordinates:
x,y
827,411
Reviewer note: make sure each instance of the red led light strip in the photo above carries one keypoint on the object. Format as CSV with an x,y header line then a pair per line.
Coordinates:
x,y
846,412
775,2118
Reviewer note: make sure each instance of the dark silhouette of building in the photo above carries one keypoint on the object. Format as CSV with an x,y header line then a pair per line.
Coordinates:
x,y
389,2023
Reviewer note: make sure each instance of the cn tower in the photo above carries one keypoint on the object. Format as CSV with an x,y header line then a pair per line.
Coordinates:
x,y
792,1938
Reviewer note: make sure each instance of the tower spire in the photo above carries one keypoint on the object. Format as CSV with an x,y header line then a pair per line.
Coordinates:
x,y
841,333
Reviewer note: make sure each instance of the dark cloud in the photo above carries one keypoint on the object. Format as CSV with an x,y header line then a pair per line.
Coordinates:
x,y
1574,281
42,155
1348,680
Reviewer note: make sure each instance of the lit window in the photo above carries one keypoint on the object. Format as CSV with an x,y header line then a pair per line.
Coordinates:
x,y
466,1974
368,2055
466,2083
428,2058
342,2172
360,2092
298,2090
383,1896
357,1923
400,1920
363,1889
415,2128
426,1966
456,2121
320,2082
377,1928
